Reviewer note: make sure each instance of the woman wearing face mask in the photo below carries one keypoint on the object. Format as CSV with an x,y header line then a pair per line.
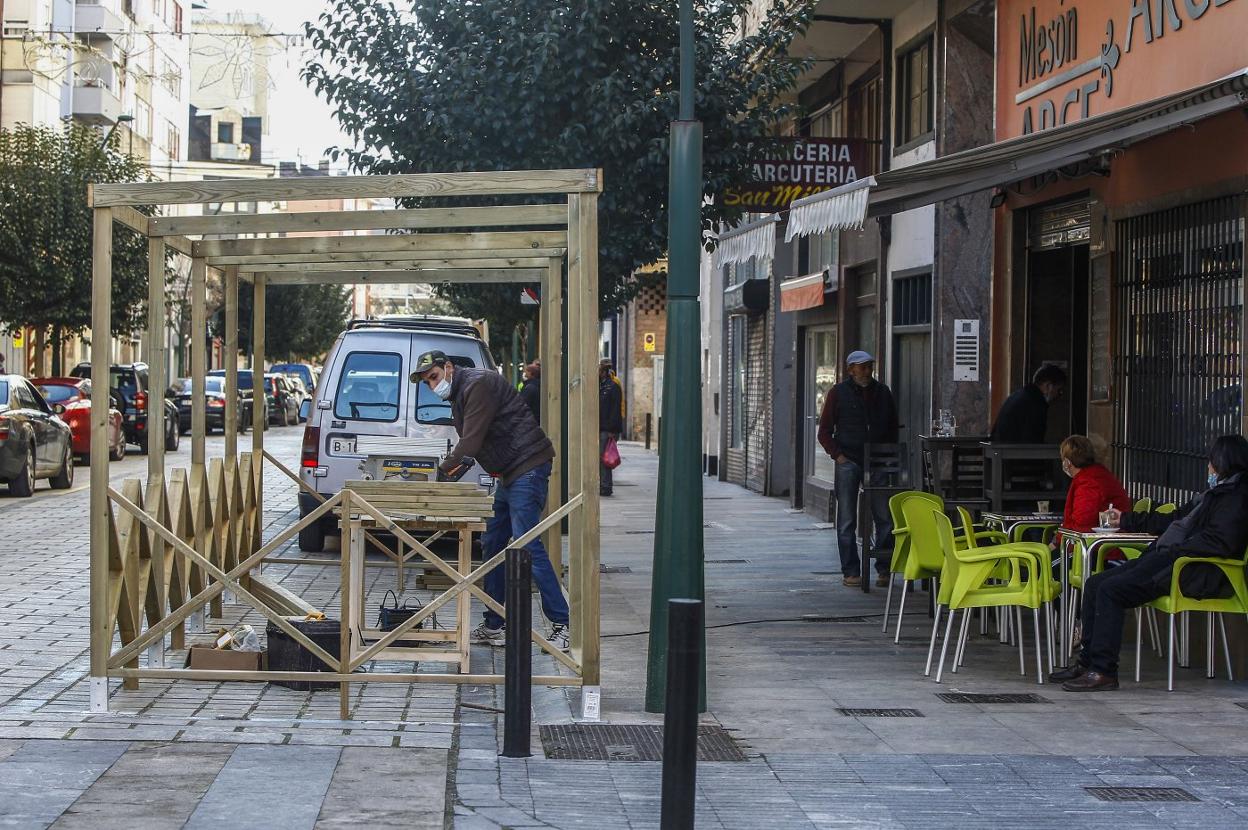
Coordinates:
x,y
1214,524
1093,488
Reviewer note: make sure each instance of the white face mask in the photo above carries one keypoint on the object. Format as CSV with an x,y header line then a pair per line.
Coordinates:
x,y
443,389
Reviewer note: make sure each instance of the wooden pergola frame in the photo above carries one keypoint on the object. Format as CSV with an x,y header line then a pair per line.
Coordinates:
x,y
175,546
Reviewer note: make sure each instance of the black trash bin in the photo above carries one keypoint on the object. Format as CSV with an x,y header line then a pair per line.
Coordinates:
x,y
286,654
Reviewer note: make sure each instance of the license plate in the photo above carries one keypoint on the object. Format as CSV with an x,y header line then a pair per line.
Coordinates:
x,y
342,446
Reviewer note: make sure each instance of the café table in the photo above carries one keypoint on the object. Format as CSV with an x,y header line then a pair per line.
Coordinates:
x,y
1014,525
1085,545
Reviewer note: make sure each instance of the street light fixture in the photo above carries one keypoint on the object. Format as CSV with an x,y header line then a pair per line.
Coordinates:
x,y
108,135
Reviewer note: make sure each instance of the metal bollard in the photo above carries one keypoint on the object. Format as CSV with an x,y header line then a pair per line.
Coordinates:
x,y
680,713
649,422
518,660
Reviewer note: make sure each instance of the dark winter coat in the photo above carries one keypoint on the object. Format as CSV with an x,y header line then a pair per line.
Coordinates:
x,y
854,416
531,394
610,417
495,426
1023,418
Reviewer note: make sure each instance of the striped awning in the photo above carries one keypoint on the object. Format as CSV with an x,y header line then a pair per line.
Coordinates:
x,y
803,292
753,239
1006,162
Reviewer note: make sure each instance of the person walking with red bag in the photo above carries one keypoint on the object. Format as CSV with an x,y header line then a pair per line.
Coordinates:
x,y
610,422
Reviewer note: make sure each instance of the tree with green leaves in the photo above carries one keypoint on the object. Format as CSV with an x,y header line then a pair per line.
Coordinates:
x,y
46,231
451,85
301,322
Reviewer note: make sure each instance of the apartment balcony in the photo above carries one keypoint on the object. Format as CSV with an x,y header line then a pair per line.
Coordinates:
x,y
98,20
96,104
230,152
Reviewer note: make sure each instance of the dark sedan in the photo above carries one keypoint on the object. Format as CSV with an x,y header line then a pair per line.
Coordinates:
x,y
214,392
34,442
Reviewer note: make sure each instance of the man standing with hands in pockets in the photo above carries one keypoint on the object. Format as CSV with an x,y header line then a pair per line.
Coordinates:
x,y
858,411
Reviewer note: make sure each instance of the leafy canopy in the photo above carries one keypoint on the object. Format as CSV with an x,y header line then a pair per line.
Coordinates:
x,y
301,322
451,85
46,230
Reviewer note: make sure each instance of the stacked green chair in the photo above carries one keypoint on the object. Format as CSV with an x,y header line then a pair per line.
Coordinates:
x,y
1175,603
903,563
972,578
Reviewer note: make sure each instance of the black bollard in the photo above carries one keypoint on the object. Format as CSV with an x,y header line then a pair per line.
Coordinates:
x,y
649,421
518,660
680,713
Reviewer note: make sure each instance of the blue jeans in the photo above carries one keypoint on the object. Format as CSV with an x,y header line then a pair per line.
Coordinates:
x,y
517,510
848,484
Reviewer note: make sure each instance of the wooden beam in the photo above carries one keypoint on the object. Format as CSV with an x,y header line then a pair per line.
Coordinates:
x,y
360,220
231,365
100,510
584,294
156,356
199,361
382,261
431,275
550,330
381,243
142,225
297,188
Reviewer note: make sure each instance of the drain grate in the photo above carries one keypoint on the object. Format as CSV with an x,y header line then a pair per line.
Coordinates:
x,y
638,532
614,569
1141,794
881,713
967,697
629,742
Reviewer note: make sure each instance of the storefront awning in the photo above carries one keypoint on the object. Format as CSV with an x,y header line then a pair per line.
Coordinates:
x,y
1005,162
753,239
803,292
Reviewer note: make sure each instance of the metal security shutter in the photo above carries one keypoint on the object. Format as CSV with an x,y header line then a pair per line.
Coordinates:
x,y
1178,282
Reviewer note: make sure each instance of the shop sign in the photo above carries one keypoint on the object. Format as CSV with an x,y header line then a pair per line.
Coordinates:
x,y
648,341
19,339
797,167
1068,60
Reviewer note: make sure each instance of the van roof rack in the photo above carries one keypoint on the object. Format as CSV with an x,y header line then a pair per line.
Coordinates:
x,y
457,325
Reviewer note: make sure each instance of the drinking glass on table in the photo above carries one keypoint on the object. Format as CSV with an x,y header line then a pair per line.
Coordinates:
x,y
1042,507
1111,517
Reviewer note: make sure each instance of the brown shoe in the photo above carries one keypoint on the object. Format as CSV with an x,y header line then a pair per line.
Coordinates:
x,y
1071,672
1091,681
882,580
852,581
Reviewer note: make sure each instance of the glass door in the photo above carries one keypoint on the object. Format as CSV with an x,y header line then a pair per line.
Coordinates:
x,y
821,375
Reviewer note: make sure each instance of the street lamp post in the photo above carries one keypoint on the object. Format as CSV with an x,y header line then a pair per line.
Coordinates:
x,y
678,568
108,135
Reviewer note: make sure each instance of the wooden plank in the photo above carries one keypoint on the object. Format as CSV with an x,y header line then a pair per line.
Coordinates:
x,y
332,677
257,368
581,384
379,260
231,363
156,356
404,277
361,220
378,243
100,510
129,217
550,330
199,357
297,188
344,597
279,598
587,581
454,259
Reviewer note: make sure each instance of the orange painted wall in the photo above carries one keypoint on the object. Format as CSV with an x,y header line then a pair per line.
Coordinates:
x,y
1198,51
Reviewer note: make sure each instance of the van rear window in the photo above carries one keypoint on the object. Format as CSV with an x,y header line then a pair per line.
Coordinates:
x,y
368,388
430,409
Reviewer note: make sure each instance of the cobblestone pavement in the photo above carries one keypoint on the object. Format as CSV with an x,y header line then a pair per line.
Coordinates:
x,y
252,755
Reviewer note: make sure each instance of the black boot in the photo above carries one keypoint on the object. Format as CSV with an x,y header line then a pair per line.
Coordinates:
x,y
1071,672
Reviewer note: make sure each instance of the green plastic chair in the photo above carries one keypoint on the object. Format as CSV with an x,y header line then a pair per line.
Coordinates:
x,y
1143,505
902,561
1175,603
972,578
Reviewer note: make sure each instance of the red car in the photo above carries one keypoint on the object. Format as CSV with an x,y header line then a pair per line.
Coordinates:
x,y
71,399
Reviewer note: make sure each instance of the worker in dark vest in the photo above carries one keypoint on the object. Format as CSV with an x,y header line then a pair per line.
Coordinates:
x,y
858,411
498,429
1024,417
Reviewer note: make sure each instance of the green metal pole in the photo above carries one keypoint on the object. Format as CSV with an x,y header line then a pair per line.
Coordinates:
x,y
678,544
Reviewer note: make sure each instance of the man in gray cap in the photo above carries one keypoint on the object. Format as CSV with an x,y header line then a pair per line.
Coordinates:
x,y
858,411
497,428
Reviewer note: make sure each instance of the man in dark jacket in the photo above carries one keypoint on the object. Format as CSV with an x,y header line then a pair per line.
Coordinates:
x,y
497,429
610,419
531,389
858,411
1024,417
1215,524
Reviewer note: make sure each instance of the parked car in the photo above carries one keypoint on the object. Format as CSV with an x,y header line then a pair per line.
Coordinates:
x,y
244,389
283,402
180,392
365,392
70,398
34,442
301,394
306,372
130,385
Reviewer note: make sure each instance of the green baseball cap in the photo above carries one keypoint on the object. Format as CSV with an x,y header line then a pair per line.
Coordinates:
x,y
427,361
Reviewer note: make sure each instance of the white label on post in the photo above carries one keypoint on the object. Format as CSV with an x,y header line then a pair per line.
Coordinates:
x,y
99,695
591,703
966,350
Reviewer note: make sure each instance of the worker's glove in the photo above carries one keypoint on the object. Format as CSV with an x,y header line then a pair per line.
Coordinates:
x,y
455,474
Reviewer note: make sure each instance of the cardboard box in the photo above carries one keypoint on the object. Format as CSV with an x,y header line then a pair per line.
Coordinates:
x,y
206,657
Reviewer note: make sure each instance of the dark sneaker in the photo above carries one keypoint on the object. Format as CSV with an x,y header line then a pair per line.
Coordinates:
x,y
1091,681
1074,670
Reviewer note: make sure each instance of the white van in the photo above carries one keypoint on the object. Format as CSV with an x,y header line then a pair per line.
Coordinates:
x,y
365,404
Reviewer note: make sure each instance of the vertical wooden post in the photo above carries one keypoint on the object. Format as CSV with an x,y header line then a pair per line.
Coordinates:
x,y
199,367
585,294
156,357
231,366
344,616
551,333
101,329
258,418
578,389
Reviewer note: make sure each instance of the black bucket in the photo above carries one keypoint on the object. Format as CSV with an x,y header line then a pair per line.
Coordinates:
x,y
286,654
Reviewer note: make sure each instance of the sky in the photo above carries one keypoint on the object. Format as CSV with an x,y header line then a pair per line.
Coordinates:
x,y
301,125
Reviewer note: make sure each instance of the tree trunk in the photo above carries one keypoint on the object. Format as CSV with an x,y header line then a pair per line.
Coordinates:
x,y
58,348
41,345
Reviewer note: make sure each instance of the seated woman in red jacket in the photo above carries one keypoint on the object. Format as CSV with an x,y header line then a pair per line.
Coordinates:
x,y
1093,488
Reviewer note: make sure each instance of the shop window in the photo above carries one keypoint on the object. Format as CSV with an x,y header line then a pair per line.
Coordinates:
x,y
736,336
864,119
821,375
914,91
912,300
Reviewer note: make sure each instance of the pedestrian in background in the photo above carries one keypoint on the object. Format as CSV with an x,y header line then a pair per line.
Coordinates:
x,y
1024,417
531,389
610,419
858,411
